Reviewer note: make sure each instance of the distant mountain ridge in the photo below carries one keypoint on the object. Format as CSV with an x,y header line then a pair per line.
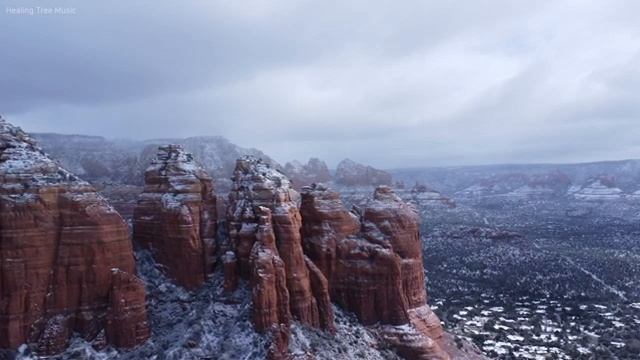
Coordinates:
x,y
102,160
98,159
611,178
348,173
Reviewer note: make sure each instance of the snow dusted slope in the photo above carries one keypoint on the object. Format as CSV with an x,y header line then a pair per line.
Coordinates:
x,y
599,189
217,154
206,324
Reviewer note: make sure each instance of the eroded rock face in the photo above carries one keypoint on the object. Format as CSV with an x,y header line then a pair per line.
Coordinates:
x,y
176,216
374,265
127,317
270,296
325,223
230,270
262,199
60,244
368,282
390,222
255,184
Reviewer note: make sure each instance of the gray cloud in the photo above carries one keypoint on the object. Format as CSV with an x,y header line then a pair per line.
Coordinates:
x,y
392,84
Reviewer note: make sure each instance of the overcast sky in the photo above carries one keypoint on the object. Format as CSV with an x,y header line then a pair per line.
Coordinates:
x,y
389,83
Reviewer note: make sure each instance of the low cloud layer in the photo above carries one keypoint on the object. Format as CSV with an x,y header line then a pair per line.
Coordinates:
x,y
417,83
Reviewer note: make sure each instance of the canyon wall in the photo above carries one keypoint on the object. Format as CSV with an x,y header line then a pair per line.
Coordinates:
x,y
66,258
373,260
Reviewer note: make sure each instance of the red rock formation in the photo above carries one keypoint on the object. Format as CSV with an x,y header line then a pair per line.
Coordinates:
x,y
320,289
365,274
410,343
59,241
286,223
426,321
270,295
230,270
258,185
368,282
322,209
257,188
176,216
389,221
376,270
127,318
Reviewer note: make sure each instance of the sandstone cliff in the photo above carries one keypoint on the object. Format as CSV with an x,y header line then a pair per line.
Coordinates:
x,y
176,216
270,295
66,262
373,261
264,230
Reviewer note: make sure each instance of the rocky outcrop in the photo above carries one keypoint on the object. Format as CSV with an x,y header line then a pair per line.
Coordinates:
x,y
320,290
230,271
255,184
66,261
351,173
270,295
391,223
325,224
374,265
176,216
314,171
127,317
262,205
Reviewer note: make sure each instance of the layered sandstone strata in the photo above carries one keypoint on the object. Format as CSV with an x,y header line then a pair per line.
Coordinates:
x,y
391,223
176,216
270,295
263,201
325,224
373,261
127,310
64,256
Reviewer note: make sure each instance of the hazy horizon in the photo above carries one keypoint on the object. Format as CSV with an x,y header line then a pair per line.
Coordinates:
x,y
332,165
423,83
